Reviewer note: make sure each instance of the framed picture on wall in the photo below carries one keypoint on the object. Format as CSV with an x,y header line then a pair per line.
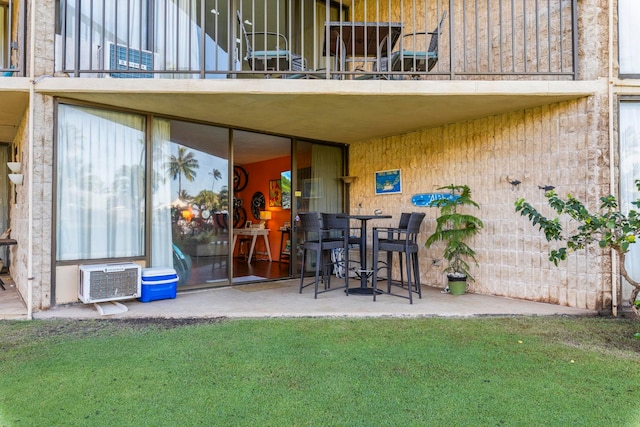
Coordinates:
x,y
388,182
285,186
275,194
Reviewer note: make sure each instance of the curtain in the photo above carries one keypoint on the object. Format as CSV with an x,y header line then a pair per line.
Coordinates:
x,y
102,23
326,184
161,242
100,184
5,32
629,16
177,36
629,172
173,35
126,22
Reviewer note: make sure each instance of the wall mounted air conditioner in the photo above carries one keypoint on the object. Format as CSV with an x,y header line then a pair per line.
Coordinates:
x,y
120,57
109,282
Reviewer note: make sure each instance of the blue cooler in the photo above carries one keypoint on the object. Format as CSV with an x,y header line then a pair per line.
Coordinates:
x,y
158,283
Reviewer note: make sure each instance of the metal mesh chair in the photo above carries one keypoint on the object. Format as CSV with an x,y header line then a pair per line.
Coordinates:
x,y
336,226
414,54
402,225
317,239
275,55
403,241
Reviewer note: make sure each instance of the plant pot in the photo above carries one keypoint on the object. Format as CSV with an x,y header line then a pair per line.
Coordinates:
x,y
457,285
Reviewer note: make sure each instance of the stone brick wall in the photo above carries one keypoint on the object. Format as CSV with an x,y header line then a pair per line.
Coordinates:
x,y
40,178
552,145
18,214
42,208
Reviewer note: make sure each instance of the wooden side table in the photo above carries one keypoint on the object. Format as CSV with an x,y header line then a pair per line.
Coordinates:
x,y
285,252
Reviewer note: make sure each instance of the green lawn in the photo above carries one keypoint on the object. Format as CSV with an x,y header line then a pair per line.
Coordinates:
x,y
523,371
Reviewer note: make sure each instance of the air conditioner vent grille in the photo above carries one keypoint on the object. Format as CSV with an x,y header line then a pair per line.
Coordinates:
x,y
108,282
123,58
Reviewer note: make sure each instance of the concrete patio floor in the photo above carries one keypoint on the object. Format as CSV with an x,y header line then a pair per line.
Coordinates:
x,y
282,299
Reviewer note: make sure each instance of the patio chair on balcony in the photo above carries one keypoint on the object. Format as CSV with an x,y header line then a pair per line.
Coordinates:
x,y
414,54
276,55
7,73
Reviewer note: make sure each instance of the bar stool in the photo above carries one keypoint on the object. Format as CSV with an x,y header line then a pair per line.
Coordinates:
x,y
403,241
316,239
340,226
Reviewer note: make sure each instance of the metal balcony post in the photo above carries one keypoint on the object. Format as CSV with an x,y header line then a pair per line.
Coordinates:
x,y
452,73
574,37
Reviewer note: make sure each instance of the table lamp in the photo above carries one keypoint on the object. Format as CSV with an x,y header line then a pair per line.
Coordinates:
x,y
264,217
187,214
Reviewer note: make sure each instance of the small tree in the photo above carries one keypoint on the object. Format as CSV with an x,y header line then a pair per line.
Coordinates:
x,y
610,228
455,228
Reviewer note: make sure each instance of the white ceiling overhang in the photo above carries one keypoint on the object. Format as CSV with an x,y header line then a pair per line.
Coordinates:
x,y
339,111
14,99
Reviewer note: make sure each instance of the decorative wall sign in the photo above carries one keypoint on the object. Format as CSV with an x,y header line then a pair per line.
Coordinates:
x,y
427,199
275,194
388,182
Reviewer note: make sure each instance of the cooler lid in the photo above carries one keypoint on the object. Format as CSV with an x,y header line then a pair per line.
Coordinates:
x,y
158,271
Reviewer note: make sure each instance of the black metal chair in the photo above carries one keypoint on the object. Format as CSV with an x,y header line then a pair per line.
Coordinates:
x,y
402,225
336,226
415,55
316,238
275,55
403,241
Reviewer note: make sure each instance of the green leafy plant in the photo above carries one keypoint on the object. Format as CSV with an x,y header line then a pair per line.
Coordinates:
x,y
609,228
455,228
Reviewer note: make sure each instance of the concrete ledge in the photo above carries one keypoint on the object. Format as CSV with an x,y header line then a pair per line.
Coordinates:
x,y
286,301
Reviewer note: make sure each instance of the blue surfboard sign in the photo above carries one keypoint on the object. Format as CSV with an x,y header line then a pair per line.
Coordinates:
x,y
427,199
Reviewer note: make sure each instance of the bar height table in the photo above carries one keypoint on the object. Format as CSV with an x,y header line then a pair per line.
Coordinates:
x,y
345,39
363,289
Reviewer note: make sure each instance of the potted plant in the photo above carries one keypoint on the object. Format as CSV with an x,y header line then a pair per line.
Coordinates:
x,y
455,228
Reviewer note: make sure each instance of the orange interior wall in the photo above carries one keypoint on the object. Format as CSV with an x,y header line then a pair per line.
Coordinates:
x,y
260,174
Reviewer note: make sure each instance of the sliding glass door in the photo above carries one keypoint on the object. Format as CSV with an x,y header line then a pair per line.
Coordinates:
x,y
190,226
261,207
171,194
318,186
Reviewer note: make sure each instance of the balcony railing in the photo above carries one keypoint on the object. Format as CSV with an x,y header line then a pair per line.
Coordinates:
x,y
11,38
313,39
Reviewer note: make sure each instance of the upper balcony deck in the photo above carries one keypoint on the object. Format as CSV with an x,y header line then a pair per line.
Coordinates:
x,y
11,38
313,39
181,57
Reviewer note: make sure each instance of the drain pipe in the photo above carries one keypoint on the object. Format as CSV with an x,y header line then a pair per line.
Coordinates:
x,y
615,277
32,63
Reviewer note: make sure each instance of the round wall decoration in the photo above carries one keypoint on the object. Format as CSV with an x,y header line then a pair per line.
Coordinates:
x,y
240,178
257,204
